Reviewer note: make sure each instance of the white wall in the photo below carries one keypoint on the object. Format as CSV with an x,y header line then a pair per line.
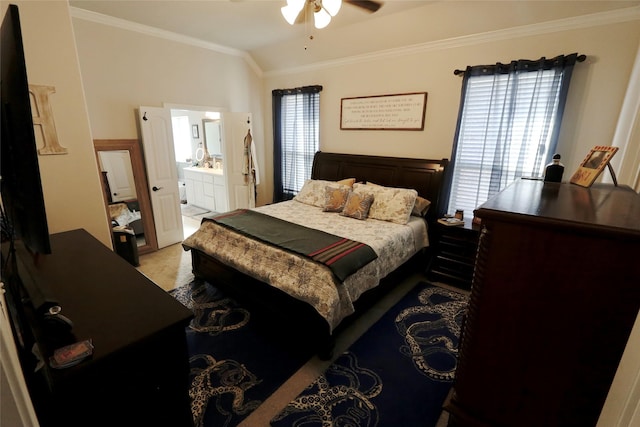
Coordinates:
x,y
597,88
71,182
123,69
135,69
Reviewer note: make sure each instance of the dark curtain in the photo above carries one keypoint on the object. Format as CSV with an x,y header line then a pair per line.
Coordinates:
x,y
295,138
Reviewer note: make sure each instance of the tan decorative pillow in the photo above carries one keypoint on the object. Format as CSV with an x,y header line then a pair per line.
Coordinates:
x,y
357,205
421,207
312,192
335,198
347,181
389,203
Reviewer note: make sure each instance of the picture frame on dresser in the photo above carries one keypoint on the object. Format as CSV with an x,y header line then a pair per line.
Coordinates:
x,y
593,164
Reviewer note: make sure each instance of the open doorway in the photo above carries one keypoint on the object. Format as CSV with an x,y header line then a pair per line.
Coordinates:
x,y
214,182
197,147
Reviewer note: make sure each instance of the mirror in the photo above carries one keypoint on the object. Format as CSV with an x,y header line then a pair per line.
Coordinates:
x,y
125,189
212,137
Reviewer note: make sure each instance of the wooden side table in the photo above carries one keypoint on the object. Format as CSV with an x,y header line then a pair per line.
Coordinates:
x,y
454,253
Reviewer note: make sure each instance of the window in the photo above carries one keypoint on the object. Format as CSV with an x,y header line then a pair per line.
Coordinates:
x,y
508,126
181,138
296,122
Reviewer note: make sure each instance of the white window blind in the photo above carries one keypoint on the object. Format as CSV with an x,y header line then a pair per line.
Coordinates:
x,y
505,132
300,138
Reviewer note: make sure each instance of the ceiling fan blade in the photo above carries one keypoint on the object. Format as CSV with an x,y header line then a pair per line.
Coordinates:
x,y
369,5
308,9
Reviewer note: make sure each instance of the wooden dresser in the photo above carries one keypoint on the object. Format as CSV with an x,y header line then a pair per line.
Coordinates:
x,y
555,293
139,371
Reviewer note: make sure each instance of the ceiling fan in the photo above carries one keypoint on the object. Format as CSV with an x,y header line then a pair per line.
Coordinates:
x,y
371,6
322,10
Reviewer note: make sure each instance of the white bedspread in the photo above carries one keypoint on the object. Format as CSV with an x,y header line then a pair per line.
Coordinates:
x,y
302,278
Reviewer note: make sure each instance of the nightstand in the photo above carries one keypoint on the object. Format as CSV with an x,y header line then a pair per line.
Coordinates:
x,y
454,253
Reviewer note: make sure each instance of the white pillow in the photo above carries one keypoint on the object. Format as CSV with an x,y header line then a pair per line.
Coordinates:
x,y
420,208
389,203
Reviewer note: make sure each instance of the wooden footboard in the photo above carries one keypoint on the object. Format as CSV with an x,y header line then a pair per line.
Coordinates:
x,y
297,318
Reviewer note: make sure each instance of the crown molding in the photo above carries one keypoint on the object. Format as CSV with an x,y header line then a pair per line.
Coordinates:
x,y
548,27
100,18
566,24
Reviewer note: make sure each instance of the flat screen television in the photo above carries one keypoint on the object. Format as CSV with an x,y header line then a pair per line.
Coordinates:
x,y
21,186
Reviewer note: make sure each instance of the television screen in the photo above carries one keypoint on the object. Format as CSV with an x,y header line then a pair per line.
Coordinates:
x,y
21,187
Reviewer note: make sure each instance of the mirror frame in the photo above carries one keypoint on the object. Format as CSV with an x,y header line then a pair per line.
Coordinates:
x,y
142,188
204,136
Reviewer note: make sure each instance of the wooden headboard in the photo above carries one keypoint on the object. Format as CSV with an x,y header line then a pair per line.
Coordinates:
x,y
424,175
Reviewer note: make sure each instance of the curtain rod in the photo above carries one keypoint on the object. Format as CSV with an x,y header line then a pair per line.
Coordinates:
x,y
579,58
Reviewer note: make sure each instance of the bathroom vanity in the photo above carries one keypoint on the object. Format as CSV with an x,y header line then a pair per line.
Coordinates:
x,y
206,188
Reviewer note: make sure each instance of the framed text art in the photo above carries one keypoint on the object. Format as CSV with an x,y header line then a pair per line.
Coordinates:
x,y
384,112
195,133
593,164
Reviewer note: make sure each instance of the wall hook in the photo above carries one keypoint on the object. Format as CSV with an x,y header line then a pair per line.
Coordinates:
x,y
144,116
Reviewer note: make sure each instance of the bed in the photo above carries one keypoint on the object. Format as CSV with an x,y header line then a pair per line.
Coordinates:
x,y
314,299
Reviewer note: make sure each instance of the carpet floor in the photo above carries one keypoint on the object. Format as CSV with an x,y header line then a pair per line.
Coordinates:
x,y
397,374
237,360
403,382
170,268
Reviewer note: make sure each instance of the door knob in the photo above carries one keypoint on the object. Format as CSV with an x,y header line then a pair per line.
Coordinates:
x,y
154,188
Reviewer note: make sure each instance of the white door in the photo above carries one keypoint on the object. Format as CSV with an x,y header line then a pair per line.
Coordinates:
x,y
234,128
157,141
117,165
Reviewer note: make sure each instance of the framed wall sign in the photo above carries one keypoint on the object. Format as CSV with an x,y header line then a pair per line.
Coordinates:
x,y
195,133
403,111
593,164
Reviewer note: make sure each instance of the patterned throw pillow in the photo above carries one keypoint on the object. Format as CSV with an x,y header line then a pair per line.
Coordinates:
x,y
335,198
389,203
420,208
312,192
357,205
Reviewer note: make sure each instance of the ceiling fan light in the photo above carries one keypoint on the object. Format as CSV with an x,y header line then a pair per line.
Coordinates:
x,y
332,6
290,13
321,18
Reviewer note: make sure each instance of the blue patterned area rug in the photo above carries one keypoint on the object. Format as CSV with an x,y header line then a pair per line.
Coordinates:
x,y
236,359
398,373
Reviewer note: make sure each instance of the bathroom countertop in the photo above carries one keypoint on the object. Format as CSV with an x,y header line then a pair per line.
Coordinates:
x,y
212,171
